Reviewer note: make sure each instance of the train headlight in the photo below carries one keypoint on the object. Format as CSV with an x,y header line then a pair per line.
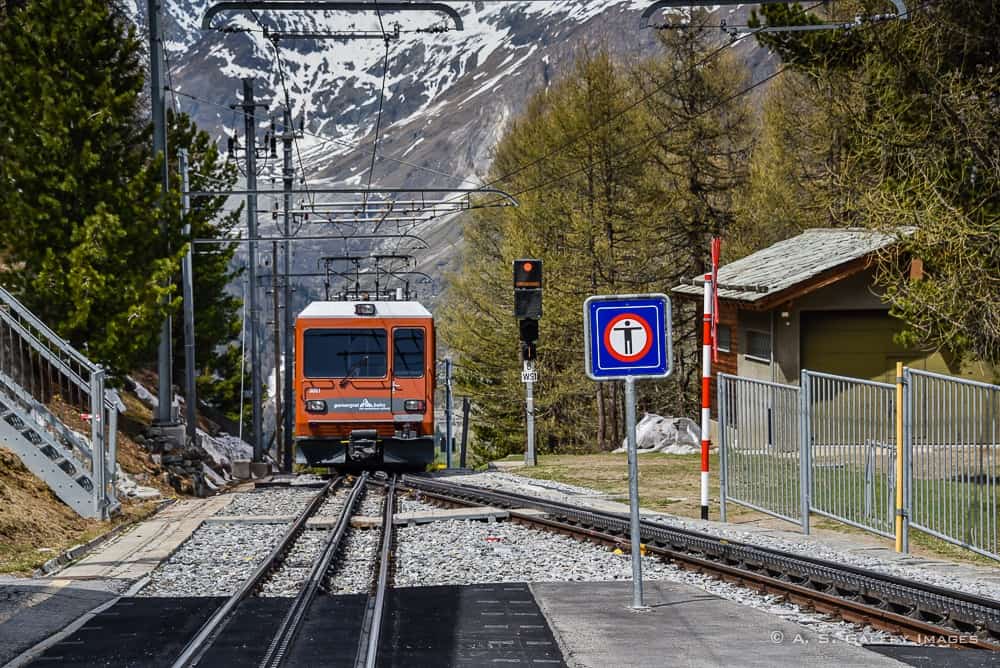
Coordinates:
x,y
364,309
414,405
316,406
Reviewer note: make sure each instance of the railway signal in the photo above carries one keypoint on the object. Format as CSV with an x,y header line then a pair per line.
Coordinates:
x,y
528,310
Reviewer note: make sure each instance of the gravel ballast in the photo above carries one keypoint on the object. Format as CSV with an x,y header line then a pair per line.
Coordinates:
x,y
813,547
468,552
356,562
214,561
292,574
277,501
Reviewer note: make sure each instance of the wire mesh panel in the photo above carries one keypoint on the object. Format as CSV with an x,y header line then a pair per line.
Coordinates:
x,y
850,432
759,446
953,432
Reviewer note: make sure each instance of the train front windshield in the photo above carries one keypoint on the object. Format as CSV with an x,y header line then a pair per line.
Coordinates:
x,y
342,353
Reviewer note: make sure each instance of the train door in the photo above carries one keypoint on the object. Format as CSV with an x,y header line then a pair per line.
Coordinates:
x,y
407,367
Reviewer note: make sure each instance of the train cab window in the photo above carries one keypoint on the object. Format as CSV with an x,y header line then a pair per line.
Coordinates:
x,y
342,353
408,353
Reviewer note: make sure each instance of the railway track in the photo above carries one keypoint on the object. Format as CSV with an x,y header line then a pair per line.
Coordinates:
x,y
920,612
200,645
371,627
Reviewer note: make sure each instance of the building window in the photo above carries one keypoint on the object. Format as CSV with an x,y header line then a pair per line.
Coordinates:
x,y
758,345
723,338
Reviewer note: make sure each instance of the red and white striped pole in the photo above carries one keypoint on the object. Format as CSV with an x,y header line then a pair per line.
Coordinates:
x,y
709,352
706,393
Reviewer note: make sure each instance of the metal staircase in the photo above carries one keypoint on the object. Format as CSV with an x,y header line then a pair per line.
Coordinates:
x,y
41,375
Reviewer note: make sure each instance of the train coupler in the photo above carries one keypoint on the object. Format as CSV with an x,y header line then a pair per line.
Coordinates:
x,y
364,446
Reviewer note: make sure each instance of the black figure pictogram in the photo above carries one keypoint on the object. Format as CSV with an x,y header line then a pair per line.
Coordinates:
x,y
626,328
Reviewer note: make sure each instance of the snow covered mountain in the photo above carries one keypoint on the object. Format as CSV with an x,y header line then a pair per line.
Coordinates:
x,y
448,95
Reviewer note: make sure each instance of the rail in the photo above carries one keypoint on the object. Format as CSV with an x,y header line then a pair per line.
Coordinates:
x,y
210,630
914,609
371,627
292,621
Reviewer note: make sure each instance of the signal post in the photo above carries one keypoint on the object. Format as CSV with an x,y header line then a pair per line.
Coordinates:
x,y
528,311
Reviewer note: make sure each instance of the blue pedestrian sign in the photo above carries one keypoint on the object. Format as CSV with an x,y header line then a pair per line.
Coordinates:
x,y
627,336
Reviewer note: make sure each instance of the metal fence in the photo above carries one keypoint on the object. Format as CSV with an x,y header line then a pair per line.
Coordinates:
x,y
761,455
850,433
57,410
953,432
830,448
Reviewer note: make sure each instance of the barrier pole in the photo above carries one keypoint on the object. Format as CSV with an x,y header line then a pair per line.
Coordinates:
x,y
706,395
899,457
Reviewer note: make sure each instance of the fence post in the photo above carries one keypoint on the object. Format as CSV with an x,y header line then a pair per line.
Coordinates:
x,y
805,485
904,450
98,454
112,424
723,468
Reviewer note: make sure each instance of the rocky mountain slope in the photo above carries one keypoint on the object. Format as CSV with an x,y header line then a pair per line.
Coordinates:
x,y
448,95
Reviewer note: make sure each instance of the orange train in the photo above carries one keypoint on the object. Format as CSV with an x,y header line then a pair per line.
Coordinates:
x,y
364,384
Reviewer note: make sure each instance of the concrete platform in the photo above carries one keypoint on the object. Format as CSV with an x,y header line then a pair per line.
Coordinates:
x,y
135,554
683,627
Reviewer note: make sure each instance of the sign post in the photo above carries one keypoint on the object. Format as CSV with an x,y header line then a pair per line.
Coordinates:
x,y
627,337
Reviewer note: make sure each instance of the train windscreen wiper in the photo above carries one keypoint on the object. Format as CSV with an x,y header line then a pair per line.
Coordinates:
x,y
354,369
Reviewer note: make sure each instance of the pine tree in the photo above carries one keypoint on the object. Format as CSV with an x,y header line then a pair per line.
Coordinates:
x,y
79,201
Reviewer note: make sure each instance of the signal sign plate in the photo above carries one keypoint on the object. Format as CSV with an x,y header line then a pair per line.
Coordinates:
x,y
627,336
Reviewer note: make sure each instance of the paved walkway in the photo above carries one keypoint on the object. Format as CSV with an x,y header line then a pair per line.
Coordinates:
x,y
136,553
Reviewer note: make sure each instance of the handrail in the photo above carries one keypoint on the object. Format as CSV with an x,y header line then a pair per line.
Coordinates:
x,y
33,320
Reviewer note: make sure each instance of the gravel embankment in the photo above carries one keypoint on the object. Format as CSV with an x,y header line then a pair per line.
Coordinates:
x,y
811,547
214,561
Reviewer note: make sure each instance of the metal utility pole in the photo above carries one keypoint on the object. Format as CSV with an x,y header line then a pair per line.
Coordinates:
x,y
447,411
278,405
250,128
187,281
164,364
288,174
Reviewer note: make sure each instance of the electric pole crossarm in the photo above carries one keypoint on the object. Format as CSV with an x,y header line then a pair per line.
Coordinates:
x,y
328,5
